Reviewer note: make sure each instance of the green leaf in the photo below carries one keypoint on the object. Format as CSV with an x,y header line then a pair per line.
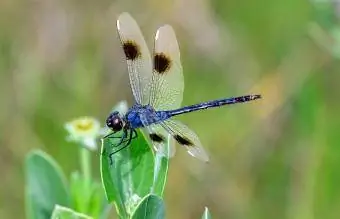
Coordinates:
x,y
87,200
161,167
45,185
131,173
79,197
98,205
151,207
60,212
106,209
206,214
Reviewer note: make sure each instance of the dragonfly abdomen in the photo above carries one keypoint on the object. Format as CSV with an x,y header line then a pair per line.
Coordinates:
x,y
212,104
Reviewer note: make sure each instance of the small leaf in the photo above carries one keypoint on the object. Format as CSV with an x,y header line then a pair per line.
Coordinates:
x,y
130,174
87,200
61,212
151,207
206,214
161,165
45,185
106,209
79,199
98,205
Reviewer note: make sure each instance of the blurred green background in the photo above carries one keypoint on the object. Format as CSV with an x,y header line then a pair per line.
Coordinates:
x,y
274,158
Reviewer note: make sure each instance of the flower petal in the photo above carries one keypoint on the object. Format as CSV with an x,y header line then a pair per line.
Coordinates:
x,y
121,107
90,143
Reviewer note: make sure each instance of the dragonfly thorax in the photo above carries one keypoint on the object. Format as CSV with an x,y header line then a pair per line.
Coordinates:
x,y
143,115
115,122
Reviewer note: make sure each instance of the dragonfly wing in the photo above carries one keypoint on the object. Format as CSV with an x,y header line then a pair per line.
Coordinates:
x,y
167,83
159,137
137,57
187,138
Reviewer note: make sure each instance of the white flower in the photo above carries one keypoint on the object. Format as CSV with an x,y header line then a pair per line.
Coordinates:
x,y
121,107
84,130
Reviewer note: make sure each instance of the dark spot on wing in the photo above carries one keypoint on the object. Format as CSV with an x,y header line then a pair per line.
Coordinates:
x,y
183,141
162,63
131,50
156,137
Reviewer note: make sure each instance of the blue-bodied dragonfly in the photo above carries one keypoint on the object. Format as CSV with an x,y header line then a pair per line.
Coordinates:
x,y
157,86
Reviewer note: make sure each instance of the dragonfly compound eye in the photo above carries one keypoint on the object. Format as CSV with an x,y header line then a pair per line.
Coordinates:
x,y
114,122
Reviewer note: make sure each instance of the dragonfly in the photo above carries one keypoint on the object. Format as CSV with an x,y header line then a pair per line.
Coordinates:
x,y
157,85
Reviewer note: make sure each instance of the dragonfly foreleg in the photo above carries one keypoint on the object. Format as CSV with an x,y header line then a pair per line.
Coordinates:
x,y
108,135
113,137
134,132
126,140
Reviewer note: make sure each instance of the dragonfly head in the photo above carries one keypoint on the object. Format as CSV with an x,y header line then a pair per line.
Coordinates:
x,y
115,122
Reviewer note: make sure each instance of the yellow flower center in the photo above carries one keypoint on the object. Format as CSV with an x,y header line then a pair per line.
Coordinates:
x,y
84,125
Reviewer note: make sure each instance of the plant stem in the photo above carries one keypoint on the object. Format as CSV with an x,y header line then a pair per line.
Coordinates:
x,y
85,164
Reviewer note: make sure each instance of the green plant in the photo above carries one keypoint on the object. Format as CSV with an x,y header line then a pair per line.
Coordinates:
x,y
134,181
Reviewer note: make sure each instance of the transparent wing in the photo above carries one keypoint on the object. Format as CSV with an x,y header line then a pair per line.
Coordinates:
x,y
167,82
137,57
187,138
159,138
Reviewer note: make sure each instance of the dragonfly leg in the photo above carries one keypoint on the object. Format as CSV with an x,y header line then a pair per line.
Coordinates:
x,y
134,132
108,135
113,137
126,140
122,138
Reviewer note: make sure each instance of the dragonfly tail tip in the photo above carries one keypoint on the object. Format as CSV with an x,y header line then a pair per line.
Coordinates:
x,y
256,96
